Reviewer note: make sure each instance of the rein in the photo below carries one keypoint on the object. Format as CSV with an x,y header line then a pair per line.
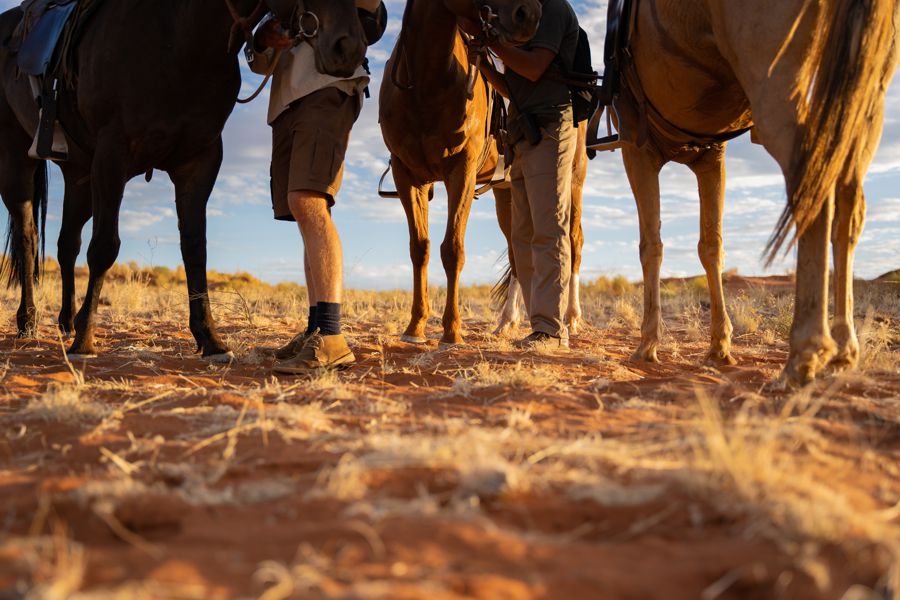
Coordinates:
x,y
486,16
244,25
301,18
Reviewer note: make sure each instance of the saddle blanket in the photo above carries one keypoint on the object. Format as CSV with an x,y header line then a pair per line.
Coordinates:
x,y
43,25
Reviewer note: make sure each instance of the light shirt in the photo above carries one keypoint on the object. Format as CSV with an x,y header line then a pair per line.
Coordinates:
x,y
296,76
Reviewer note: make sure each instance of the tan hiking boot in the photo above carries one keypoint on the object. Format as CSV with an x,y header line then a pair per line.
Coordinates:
x,y
293,347
318,353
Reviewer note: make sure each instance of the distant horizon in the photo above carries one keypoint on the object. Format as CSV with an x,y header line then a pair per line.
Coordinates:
x,y
727,273
242,236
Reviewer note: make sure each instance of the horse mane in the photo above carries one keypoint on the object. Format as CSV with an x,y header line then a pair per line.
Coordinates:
x,y
842,82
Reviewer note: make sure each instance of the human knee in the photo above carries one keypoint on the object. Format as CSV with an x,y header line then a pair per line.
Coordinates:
x,y
308,207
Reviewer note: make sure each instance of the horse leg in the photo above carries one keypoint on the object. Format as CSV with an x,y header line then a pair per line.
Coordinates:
x,y
710,171
108,176
811,343
850,215
415,204
76,212
17,186
642,167
576,234
510,314
460,184
194,182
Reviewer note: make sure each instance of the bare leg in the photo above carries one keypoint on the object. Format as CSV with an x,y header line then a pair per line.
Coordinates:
x,y
322,244
311,293
460,184
710,172
642,166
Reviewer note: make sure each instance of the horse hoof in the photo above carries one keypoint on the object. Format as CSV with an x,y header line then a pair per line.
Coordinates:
x,y
224,358
76,357
720,359
412,339
647,356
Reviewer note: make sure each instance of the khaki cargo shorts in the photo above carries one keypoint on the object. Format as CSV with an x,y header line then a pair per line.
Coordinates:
x,y
309,141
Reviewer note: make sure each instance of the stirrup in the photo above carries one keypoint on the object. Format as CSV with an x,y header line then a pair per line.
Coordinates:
x,y
391,195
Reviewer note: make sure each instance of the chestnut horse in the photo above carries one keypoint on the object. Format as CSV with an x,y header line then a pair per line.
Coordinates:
x,y
436,132
810,78
151,86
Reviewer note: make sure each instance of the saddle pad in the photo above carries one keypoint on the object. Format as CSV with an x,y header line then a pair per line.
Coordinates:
x,y
40,42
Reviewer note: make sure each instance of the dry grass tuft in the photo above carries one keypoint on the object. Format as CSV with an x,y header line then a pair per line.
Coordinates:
x,y
65,404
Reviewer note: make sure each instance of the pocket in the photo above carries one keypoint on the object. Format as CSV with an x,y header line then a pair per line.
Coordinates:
x,y
326,159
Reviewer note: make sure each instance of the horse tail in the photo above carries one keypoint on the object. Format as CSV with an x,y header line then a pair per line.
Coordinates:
x,y
13,262
500,291
840,89
39,213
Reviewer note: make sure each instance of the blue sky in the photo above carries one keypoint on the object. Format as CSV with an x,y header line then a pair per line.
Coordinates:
x,y
243,237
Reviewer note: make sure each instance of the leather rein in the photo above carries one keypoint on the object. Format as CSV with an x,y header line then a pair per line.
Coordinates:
x,y
486,17
307,25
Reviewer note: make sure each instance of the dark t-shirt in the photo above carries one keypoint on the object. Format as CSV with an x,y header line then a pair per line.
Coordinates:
x,y
557,32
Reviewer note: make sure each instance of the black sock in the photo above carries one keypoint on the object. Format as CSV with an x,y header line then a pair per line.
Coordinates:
x,y
312,323
328,318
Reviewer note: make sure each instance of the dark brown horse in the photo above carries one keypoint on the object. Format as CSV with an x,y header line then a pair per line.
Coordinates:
x,y
152,84
436,131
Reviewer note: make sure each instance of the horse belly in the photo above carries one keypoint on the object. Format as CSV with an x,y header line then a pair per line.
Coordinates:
x,y
681,70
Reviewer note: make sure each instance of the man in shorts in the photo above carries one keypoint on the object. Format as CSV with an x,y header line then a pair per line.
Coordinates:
x,y
311,115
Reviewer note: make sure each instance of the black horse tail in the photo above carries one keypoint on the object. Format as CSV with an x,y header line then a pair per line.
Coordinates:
x,y
500,291
13,261
39,212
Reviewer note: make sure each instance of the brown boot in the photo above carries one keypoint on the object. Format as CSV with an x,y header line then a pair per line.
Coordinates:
x,y
320,352
293,347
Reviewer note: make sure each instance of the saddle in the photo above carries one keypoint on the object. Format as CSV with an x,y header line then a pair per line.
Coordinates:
x,y
637,119
43,43
39,32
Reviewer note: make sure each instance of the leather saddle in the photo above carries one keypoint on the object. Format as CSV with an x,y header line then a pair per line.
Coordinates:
x,y
42,43
618,34
39,33
619,22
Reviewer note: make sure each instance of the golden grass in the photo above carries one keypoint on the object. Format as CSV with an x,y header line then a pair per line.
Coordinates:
x,y
790,467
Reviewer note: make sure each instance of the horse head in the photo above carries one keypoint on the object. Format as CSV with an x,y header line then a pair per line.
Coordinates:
x,y
514,22
331,27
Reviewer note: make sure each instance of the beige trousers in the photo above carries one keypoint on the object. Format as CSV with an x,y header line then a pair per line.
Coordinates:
x,y
541,179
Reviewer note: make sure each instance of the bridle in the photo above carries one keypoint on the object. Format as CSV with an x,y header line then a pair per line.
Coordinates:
x,y
304,22
486,16
489,33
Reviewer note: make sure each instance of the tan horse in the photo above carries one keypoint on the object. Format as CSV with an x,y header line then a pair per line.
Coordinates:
x,y
435,132
810,78
508,292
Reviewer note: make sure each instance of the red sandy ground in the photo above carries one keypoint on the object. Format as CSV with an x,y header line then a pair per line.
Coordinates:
x,y
541,543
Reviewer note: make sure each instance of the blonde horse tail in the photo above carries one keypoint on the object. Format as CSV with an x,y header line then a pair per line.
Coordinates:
x,y
840,89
